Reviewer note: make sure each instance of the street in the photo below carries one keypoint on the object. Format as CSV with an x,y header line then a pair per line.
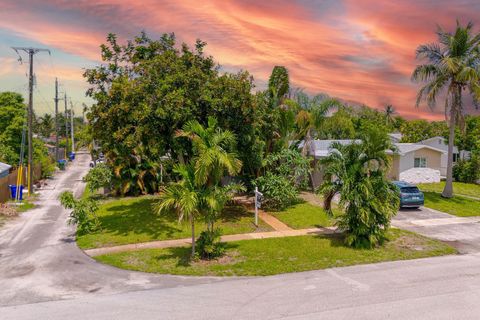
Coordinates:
x,y
43,275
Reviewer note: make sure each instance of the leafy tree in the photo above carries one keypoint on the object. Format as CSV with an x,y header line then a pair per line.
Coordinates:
x,y
339,126
290,164
389,112
451,65
12,120
357,173
146,90
278,84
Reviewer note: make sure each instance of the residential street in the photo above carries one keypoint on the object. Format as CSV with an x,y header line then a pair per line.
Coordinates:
x,y
43,275
39,260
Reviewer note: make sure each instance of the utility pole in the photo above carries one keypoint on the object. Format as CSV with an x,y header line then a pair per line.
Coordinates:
x,y
31,52
56,119
71,126
66,126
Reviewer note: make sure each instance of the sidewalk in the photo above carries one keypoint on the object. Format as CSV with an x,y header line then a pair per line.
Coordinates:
x,y
227,238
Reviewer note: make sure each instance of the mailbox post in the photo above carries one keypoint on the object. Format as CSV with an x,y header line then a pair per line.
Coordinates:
x,y
258,203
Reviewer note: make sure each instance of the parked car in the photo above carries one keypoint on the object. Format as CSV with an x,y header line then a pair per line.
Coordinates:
x,y
410,195
94,163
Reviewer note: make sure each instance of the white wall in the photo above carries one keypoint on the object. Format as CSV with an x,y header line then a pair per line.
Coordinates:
x,y
420,175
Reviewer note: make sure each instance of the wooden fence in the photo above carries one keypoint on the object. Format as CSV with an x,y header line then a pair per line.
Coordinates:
x,y
12,179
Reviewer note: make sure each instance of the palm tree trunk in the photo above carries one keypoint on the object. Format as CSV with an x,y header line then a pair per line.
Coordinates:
x,y
192,222
448,190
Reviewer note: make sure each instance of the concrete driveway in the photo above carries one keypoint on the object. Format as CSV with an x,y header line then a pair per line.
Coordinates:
x,y
462,233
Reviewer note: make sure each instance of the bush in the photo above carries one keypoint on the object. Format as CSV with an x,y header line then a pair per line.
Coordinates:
x,y
290,164
467,170
7,211
98,177
278,191
209,245
83,212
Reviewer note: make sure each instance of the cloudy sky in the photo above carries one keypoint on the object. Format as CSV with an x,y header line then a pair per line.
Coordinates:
x,y
358,50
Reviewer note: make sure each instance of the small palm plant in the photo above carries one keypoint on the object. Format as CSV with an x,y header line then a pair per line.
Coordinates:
x,y
357,172
185,197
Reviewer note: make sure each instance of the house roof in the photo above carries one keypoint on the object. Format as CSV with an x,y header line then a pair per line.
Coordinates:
x,y
4,169
396,136
404,148
322,148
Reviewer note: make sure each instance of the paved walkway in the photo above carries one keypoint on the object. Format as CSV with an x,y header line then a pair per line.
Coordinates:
x,y
226,238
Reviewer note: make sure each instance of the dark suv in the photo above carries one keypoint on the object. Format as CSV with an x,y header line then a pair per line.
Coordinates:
x,y
410,195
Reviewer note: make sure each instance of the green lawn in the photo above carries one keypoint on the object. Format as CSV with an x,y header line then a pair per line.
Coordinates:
x,y
132,220
458,206
304,215
26,205
278,255
459,188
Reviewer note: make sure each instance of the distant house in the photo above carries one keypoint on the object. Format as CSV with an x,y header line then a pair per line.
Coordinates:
x,y
415,163
411,162
4,169
395,137
442,144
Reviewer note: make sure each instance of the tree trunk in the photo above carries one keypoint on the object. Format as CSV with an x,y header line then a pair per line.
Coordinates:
x,y
192,221
448,190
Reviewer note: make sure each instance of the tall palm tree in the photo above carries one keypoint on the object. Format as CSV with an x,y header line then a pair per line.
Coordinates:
x,y
212,146
389,112
451,68
185,197
357,173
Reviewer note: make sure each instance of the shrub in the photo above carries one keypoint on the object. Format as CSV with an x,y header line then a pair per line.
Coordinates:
x,y
7,211
209,245
98,177
278,191
290,164
83,212
467,170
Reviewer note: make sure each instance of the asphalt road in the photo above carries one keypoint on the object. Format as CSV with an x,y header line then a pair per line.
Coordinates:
x,y
39,260
43,275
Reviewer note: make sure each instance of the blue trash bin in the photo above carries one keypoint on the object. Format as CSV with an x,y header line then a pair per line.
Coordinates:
x,y
71,156
61,164
13,192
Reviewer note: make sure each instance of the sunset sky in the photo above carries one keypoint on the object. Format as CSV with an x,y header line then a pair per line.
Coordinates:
x,y
362,51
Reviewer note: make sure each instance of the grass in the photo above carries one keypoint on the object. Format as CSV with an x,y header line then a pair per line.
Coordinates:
x,y
459,188
132,220
458,206
278,255
304,215
26,205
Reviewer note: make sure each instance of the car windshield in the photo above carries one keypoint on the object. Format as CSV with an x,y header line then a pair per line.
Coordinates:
x,y
410,190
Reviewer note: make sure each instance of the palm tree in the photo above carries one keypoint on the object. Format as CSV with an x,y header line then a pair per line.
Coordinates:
x,y
185,197
357,172
47,125
211,146
452,67
389,112
309,122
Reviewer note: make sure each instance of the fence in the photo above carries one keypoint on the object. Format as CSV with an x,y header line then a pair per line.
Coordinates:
x,y
12,179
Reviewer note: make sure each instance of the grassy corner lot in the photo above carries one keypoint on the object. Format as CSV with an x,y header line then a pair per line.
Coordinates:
x,y
459,188
458,205
263,257
132,220
304,215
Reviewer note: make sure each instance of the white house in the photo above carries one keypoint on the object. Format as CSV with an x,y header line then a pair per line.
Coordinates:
x,y
442,144
411,162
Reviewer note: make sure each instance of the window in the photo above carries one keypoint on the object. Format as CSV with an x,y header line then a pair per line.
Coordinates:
x,y
420,163
456,156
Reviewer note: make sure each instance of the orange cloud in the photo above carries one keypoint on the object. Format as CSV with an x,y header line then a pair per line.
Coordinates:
x,y
358,50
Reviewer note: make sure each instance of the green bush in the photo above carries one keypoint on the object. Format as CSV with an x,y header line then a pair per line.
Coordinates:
x,y
278,191
209,245
98,177
467,170
83,212
290,164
